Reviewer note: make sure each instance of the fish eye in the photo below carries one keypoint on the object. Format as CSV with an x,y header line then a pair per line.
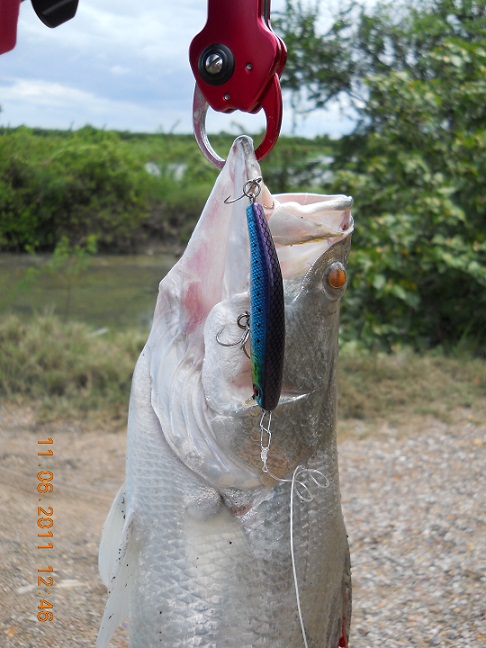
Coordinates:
x,y
336,277
334,280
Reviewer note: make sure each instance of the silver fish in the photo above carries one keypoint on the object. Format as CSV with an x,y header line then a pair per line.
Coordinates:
x,y
223,537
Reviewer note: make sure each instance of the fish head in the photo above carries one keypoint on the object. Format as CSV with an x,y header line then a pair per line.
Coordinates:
x,y
200,380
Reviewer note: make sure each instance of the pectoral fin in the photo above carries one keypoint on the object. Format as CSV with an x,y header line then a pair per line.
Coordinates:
x,y
116,563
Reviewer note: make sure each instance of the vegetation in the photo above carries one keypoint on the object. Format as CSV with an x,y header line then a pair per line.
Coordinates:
x,y
65,367
414,72
123,190
68,369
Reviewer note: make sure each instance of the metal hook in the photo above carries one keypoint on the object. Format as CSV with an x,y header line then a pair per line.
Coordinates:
x,y
254,188
251,189
243,322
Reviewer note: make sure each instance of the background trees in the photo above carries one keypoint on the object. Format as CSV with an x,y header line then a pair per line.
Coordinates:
x,y
416,163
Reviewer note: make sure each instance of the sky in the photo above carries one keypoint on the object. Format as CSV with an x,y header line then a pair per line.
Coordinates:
x,y
123,65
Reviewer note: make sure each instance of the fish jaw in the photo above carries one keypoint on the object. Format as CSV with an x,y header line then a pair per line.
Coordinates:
x,y
202,391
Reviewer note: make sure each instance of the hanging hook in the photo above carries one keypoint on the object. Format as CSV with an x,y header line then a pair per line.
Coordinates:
x,y
251,189
243,322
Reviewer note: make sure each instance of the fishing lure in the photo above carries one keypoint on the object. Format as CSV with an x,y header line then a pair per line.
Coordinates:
x,y
264,325
267,317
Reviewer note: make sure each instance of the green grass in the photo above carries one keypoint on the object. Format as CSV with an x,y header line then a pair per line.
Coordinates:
x,y
379,386
67,370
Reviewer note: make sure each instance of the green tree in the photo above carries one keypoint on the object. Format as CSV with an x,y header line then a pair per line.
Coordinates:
x,y
319,66
85,186
416,166
417,177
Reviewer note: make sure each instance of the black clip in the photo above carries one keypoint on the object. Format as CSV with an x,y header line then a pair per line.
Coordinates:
x,y
55,12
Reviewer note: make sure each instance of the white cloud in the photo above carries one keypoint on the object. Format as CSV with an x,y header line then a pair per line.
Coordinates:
x,y
117,64
54,105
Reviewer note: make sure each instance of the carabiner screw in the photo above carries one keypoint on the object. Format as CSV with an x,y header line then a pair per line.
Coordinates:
x,y
216,64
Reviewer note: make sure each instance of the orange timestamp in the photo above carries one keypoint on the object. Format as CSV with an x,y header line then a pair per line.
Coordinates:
x,y
45,522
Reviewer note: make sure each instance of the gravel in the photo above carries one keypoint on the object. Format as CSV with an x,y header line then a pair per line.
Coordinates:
x,y
415,514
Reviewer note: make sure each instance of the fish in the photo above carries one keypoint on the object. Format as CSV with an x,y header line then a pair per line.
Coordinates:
x,y
229,532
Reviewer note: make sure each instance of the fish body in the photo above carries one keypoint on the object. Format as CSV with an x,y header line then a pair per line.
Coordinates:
x,y
200,545
267,317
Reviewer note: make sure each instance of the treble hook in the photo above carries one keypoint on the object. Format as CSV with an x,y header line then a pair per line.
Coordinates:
x,y
243,322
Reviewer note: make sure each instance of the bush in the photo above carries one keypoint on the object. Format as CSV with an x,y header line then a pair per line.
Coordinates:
x,y
418,264
82,188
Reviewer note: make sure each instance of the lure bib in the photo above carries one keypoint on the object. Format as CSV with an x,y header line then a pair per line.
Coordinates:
x,y
267,316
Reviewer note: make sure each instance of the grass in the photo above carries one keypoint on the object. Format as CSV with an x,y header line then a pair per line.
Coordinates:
x,y
65,368
68,370
381,386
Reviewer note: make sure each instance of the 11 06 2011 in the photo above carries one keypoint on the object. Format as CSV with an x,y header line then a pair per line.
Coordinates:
x,y
45,522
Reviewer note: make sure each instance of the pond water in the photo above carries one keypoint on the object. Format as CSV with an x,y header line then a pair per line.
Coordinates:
x,y
112,291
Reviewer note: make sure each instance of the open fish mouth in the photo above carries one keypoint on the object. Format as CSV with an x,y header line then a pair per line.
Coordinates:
x,y
200,388
304,227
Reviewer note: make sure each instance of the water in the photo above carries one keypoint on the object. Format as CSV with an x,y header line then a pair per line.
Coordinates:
x,y
112,292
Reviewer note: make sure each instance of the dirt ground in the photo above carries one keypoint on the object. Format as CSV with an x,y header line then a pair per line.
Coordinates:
x,y
87,469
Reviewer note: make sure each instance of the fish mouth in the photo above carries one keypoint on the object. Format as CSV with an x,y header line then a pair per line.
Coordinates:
x,y
305,226
201,392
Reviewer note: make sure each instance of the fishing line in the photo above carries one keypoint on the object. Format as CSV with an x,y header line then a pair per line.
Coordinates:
x,y
304,495
310,472
292,555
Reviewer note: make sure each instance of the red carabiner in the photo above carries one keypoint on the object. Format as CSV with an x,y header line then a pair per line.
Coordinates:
x,y
9,16
237,61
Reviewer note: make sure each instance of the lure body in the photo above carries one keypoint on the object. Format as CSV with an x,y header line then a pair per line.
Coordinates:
x,y
267,317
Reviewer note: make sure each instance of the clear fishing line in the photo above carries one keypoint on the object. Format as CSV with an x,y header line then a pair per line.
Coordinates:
x,y
292,555
304,494
311,473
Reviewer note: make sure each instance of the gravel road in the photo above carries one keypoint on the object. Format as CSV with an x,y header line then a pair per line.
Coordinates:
x,y
415,512
413,498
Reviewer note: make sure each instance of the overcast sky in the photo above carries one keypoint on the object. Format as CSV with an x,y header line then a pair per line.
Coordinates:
x,y
119,64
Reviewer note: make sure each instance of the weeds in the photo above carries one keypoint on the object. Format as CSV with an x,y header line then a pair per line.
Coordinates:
x,y
66,370
378,386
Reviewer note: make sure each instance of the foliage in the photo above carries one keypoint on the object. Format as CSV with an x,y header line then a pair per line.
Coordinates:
x,y
65,365
319,66
415,166
84,187
417,177
127,190
363,39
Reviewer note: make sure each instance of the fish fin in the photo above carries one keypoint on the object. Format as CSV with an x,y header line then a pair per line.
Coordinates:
x,y
111,536
116,563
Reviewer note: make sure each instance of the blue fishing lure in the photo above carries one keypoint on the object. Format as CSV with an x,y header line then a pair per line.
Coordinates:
x,y
267,316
